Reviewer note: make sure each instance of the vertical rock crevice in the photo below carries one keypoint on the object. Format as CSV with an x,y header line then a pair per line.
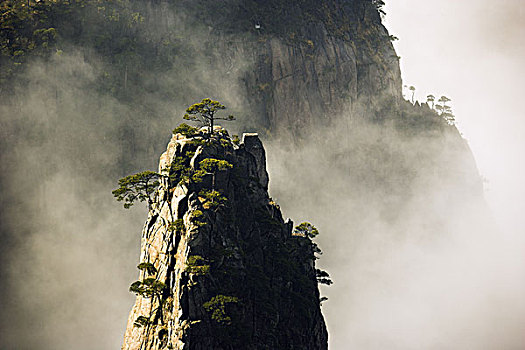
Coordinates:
x,y
229,272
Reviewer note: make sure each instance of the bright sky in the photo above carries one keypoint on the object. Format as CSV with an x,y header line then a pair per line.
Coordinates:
x,y
473,51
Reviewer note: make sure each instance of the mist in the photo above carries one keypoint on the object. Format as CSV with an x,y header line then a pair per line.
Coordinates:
x,y
464,289
420,267
472,52
69,249
418,260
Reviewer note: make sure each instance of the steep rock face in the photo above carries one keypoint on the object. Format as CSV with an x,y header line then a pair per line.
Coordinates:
x,y
297,63
328,73
221,269
311,71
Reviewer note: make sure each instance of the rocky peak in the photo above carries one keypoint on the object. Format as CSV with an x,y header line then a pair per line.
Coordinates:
x,y
219,267
253,145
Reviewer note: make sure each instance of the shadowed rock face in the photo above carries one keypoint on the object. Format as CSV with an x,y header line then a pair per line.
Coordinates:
x,y
231,273
297,63
328,74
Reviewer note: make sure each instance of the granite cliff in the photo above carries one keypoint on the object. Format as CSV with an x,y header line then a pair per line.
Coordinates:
x,y
323,78
295,63
320,81
220,269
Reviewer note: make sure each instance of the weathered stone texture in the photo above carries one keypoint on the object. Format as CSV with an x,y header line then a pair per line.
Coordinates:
x,y
235,276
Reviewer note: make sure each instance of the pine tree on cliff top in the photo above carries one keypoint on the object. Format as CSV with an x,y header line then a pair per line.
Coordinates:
x,y
204,113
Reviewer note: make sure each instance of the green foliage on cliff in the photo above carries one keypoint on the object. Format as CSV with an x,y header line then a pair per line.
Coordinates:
x,y
142,186
309,231
45,28
141,321
25,29
323,277
148,288
147,267
139,187
186,130
414,119
444,110
204,113
218,305
176,226
235,139
379,5
180,170
197,265
306,229
212,199
196,218
212,165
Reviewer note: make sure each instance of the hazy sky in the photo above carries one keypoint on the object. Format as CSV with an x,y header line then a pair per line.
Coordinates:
x,y
473,51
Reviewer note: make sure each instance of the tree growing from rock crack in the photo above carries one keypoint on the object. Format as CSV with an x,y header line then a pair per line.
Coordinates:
x,y
431,99
309,231
413,90
139,186
204,113
445,110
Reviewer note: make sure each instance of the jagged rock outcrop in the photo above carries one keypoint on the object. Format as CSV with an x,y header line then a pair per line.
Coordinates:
x,y
220,267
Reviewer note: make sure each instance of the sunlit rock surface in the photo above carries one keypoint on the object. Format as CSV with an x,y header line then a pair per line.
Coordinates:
x,y
235,276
